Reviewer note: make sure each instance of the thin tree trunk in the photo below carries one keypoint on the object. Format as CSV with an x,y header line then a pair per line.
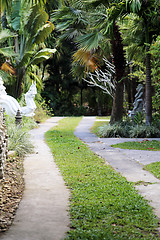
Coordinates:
x,y
19,80
119,62
148,92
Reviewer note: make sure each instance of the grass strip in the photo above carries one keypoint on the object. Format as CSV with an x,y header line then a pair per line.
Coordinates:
x,y
95,128
153,145
154,168
103,204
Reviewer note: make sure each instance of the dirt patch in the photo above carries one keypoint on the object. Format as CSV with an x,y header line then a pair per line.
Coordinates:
x,y
11,191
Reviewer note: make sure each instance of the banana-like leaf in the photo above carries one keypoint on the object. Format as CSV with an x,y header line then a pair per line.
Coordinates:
x,y
43,33
26,58
15,15
7,51
4,34
40,2
36,18
42,55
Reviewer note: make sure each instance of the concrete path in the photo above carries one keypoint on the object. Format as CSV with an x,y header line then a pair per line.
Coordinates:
x,y
129,163
42,213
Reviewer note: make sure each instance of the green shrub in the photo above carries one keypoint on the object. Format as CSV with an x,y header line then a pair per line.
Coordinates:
x,y
42,111
128,129
19,140
18,136
140,131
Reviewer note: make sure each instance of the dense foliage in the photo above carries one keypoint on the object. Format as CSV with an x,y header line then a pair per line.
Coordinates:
x,y
83,33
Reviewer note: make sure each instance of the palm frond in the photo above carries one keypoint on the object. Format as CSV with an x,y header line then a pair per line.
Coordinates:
x,y
87,59
40,2
38,80
134,5
90,41
6,67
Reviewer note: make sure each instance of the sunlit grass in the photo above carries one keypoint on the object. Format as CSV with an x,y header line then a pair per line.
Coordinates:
x,y
154,168
100,121
103,204
153,145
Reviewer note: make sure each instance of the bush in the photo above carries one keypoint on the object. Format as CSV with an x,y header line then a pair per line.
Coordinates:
x,y
19,141
42,111
129,129
18,136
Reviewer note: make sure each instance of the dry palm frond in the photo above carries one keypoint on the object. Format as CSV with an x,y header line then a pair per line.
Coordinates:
x,y
6,67
87,59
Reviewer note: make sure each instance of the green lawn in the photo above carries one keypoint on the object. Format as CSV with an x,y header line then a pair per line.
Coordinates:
x,y
103,205
154,168
153,145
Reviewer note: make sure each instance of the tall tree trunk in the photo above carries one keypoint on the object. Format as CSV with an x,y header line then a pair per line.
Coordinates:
x,y
148,92
119,62
19,80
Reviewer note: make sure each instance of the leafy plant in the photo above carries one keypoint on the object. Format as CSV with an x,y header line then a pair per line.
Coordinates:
x,y
140,131
128,129
42,111
18,136
138,118
32,27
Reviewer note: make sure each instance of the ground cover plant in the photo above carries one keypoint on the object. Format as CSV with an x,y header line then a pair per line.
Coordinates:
x,y
153,145
103,205
154,168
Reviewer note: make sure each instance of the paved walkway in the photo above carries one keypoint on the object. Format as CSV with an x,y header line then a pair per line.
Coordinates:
x,y
128,162
42,213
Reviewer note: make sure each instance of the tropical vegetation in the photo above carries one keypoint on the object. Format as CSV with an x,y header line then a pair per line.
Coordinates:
x,y
59,44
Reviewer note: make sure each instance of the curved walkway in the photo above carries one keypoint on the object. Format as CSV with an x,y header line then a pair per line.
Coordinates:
x,y
42,213
128,162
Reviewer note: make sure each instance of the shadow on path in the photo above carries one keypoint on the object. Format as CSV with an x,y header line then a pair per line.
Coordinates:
x,y
42,213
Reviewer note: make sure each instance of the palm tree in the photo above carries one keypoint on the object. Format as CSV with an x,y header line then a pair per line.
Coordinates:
x,y
74,23
148,13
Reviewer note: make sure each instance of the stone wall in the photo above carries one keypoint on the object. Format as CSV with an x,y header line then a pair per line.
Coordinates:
x,y
3,144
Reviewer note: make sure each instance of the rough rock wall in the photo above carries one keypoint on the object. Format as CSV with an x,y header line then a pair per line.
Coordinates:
x,y
3,143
